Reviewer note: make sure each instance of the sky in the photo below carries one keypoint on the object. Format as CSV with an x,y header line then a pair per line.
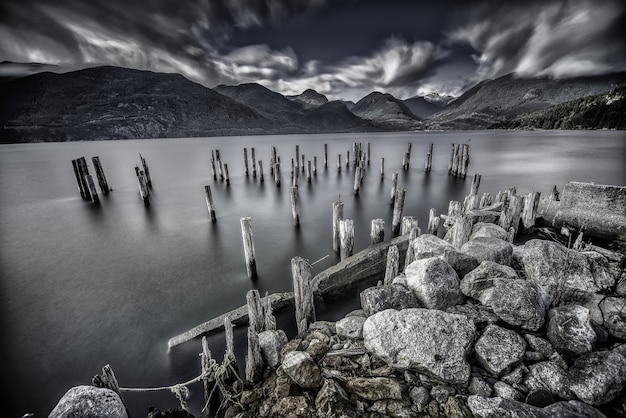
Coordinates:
x,y
344,49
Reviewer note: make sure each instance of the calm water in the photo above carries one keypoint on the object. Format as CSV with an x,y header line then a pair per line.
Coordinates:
x,y
82,286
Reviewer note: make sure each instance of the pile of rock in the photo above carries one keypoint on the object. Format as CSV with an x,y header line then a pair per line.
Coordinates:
x,y
487,330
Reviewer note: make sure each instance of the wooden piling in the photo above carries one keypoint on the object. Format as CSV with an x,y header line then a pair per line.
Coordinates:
x,y
295,178
377,233
277,174
78,179
261,178
433,222
461,231
408,225
475,184
294,206
382,168
398,206
269,320
254,360
394,188
92,189
393,264
337,217
529,213
253,162
245,161
146,171
297,157
486,200
248,247
429,159
346,234
464,161
325,156
308,171
405,161
554,195
315,165
102,181
339,163
455,159
510,217
209,203
303,166
347,159
357,179
369,152
455,208
230,340
213,171
144,193
451,162
83,172
220,169
303,294
256,316
227,176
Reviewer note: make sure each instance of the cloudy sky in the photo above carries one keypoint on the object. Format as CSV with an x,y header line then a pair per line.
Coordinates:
x,y
341,48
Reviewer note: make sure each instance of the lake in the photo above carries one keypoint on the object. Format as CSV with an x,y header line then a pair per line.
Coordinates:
x,y
83,285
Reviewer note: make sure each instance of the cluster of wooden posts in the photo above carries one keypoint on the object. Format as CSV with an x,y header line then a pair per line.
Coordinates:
x,y
84,180
459,160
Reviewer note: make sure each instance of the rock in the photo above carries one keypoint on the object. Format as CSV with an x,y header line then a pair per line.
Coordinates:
x,y
503,390
89,402
301,368
441,393
572,409
356,312
297,406
456,408
490,230
550,263
550,377
427,246
332,401
520,302
394,409
489,249
598,378
481,315
614,314
539,344
498,349
434,283
350,327
516,376
478,283
420,397
317,349
483,407
394,296
477,386
427,340
570,330
375,388
271,344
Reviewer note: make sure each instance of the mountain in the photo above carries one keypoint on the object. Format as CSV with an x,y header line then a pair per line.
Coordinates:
x,y
385,110
602,111
14,70
438,99
115,103
310,99
493,101
421,107
334,114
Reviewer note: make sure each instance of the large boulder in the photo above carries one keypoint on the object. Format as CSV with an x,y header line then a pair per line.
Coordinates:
x,y
89,402
498,349
427,246
548,376
550,263
394,296
350,327
426,340
434,283
483,407
478,283
489,249
301,368
570,330
598,378
483,229
271,343
519,302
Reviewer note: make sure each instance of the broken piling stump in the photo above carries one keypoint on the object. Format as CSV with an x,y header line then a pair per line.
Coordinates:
x,y
102,181
346,234
248,247
398,206
303,294
377,233
209,203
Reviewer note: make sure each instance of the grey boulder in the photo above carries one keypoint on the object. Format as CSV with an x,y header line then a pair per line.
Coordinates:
x,y
498,349
89,402
598,378
489,249
394,296
521,303
478,283
570,330
271,343
301,368
434,283
427,246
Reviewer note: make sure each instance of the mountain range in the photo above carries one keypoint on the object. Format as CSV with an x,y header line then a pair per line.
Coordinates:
x,y
117,103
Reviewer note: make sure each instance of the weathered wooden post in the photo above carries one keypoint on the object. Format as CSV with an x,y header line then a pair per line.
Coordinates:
x,y
308,171
227,176
455,159
433,222
83,172
429,159
398,206
337,217
325,156
277,174
78,179
206,367
261,178
315,165
346,233
339,163
254,360
486,200
209,202
245,161
347,158
475,184
230,340
92,189
461,231
408,225
269,320
144,193
294,206
377,233
382,168
303,165
256,316
248,247
451,162
303,294
213,170
455,208
510,217
220,169
273,160
295,178
554,195
393,264
357,179
405,161
146,171
297,157
394,188
102,181
109,381
369,152
529,213
464,161
253,162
